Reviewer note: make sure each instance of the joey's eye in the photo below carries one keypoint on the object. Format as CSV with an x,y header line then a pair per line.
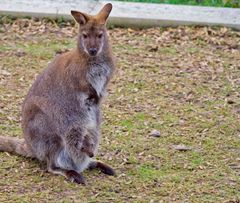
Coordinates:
x,y
100,36
85,36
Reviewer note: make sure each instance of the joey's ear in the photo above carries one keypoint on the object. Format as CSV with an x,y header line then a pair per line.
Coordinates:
x,y
81,18
104,13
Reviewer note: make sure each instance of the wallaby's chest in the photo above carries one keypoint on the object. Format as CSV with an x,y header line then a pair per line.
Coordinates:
x,y
98,75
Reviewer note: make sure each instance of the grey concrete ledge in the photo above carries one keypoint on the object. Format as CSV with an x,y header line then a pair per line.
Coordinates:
x,y
127,14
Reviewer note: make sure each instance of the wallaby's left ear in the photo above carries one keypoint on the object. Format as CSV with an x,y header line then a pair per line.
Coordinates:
x,y
104,13
80,17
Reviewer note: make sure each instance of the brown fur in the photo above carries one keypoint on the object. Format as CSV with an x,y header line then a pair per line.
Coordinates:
x,y
61,113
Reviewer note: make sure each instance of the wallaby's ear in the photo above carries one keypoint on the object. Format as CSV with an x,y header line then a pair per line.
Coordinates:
x,y
81,18
104,13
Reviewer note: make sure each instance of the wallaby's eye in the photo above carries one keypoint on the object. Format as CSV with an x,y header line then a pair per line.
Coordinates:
x,y
100,36
85,36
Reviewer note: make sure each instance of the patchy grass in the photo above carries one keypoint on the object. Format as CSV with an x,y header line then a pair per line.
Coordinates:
x,y
183,82
214,3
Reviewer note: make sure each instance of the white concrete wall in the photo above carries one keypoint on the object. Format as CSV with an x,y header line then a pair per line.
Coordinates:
x,y
127,14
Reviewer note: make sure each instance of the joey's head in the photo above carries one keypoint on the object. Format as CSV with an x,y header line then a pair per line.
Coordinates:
x,y
92,36
88,146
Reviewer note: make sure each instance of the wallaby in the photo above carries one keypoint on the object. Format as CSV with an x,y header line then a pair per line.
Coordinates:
x,y
61,112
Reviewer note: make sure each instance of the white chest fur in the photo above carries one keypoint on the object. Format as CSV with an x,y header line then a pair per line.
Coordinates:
x,y
97,76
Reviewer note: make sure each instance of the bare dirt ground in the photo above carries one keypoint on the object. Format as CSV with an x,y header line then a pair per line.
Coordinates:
x,y
184,82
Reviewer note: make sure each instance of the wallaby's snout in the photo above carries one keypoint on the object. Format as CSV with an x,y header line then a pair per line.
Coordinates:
x,y
90,154
88,151
92,51
88,147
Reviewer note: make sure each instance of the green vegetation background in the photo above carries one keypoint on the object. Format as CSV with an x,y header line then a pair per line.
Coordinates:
x,y
215,3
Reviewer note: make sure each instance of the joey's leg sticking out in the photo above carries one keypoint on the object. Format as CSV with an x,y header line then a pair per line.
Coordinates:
x,y
102,167
71,175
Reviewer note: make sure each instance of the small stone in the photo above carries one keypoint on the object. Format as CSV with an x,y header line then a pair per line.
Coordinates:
x,y
5,73
135,90
181,147
155,133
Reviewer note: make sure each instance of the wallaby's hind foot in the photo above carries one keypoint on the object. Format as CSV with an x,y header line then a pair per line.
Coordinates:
x,y
102,167
71,175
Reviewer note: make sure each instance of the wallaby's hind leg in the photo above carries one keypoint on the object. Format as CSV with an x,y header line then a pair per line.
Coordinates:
x,y
71,175
102,167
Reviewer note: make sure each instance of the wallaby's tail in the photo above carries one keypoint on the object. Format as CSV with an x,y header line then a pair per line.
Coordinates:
x,y
14,145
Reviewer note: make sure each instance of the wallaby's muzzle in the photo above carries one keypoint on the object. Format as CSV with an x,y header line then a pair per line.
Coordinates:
x,y
92,51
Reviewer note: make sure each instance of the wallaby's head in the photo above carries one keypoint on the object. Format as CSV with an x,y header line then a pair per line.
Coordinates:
x,y
88,146
92,38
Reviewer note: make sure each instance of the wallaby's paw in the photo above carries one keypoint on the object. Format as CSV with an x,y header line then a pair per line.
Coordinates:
x,y
75,177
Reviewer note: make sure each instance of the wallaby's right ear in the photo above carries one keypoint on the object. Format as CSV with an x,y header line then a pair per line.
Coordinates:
x,y
81,18
104,13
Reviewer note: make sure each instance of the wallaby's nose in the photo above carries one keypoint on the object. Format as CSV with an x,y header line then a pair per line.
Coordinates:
x,y
90,154
92,51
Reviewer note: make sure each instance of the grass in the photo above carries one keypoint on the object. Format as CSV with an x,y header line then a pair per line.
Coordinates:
x,y
183,82
214,3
